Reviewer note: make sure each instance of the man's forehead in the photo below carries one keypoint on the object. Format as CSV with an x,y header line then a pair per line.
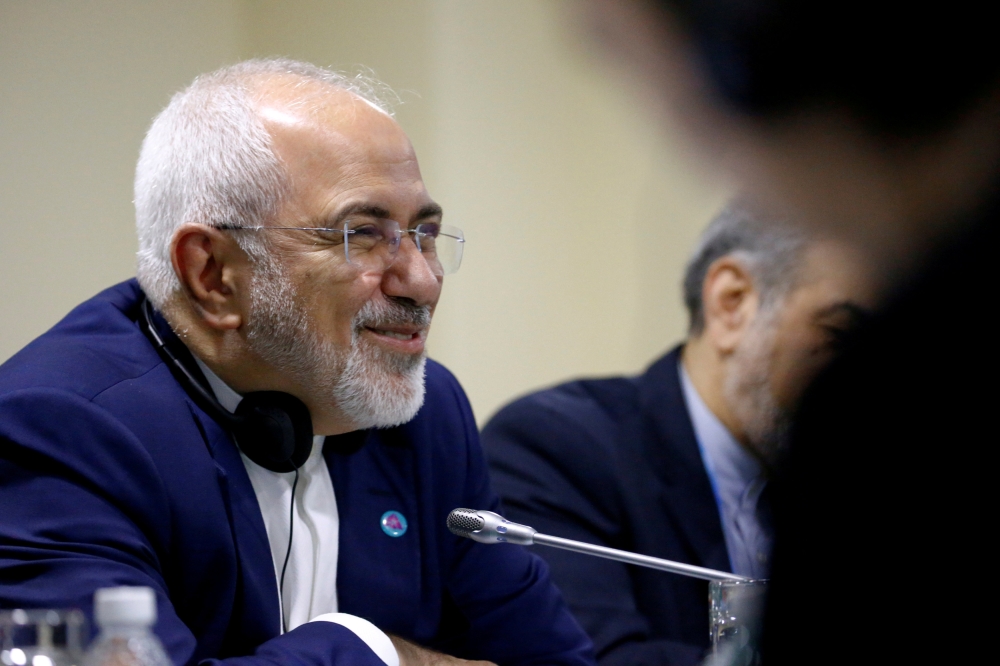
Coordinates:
x,y
834,274
341,148
832,259
313,116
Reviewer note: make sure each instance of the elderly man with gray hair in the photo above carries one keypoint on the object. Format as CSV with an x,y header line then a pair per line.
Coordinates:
x,y
252,429
675,463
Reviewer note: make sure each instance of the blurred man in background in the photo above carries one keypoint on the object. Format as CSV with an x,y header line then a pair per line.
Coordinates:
x,y
880,124
675,463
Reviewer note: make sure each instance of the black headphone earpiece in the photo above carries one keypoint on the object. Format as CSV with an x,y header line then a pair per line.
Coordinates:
x,y
273,429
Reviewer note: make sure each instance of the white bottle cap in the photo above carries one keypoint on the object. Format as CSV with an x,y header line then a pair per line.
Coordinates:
x,y
125,605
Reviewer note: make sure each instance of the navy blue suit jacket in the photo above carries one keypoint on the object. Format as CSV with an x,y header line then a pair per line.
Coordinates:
x,y
615,462
111,475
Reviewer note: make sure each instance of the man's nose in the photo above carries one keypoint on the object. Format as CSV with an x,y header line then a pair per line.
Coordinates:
x,y
410,276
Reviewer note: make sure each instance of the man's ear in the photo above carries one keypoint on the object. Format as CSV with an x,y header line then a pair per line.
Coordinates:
x,y
730,300
208,264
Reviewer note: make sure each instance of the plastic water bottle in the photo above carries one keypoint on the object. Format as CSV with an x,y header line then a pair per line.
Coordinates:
x,y
125,617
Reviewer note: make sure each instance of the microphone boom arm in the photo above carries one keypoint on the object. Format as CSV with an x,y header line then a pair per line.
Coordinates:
x,y
634,558
490,527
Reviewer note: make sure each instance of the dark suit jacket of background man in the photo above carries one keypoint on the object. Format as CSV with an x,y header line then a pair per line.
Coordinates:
x,y
110,474
615,462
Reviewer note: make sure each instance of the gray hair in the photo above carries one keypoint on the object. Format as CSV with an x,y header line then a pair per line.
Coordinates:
x,y
208,159
770,249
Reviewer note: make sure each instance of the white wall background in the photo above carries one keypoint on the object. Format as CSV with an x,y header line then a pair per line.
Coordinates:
x,y
578,209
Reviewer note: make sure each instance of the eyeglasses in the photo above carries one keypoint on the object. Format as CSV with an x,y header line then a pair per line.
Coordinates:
x,y
372,244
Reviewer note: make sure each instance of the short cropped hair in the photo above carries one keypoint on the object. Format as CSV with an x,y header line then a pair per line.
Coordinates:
x,y
208,159
770,249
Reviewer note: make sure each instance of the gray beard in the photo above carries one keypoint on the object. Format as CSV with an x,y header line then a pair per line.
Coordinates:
x,y
371,387
747,390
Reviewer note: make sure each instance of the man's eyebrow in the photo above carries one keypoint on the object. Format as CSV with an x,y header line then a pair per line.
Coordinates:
x,y
378,212
855,313
362,209
429,210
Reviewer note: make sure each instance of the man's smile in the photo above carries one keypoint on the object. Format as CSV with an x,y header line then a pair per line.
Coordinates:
x,y
406,339
394,325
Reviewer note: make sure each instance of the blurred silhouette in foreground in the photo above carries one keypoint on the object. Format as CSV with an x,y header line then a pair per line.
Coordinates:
x,y
877,123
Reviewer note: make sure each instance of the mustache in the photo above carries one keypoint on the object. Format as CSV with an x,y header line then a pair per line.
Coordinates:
x,y
389,312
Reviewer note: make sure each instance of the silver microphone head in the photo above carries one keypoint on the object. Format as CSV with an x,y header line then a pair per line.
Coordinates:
x,y
488,527
464,522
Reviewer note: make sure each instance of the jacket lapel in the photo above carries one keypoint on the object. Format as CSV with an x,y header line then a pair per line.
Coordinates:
x,y
256,615
373,566
686,492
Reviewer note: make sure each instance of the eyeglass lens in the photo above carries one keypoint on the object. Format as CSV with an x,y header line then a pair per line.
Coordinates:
x,y
375,243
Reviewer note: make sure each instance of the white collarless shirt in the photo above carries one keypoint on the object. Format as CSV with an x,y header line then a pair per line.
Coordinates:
x,y
737,480
310,586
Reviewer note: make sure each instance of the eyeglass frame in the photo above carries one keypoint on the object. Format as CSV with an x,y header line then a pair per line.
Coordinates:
x,y
393,247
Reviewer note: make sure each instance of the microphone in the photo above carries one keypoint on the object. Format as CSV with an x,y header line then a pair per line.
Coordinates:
x,y
489,527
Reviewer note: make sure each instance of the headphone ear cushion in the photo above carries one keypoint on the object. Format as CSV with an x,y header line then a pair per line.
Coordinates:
x,y
274,430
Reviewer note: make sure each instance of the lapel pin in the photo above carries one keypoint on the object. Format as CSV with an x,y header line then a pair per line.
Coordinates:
x,y
393,523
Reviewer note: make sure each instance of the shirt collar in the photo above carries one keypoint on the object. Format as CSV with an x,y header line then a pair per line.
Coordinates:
x,y
230,400
226,396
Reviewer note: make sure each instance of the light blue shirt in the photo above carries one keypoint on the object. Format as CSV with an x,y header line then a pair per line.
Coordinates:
x,y
737,480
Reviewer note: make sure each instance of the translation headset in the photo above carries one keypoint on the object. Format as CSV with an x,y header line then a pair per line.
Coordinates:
x,y
272,428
